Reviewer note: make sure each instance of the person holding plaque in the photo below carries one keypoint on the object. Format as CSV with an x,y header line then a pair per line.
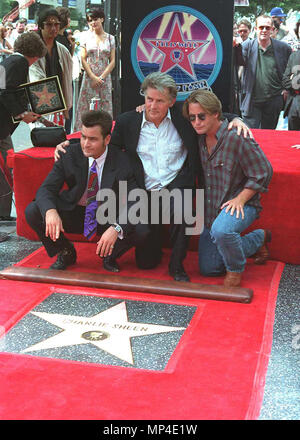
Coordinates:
x,y
14,72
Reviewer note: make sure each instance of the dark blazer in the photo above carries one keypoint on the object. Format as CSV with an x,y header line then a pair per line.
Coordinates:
x,y
126,136
72,171
247,56
16,72
291,85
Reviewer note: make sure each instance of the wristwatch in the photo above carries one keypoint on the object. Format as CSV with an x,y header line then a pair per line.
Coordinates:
x,y
117,228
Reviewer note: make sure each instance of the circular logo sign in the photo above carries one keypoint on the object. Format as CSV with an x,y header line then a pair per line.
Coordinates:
x,y
179,41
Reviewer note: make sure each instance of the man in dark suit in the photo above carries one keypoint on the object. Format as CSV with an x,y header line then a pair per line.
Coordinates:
x,y
264,60
163,153
291,82
14,72
56,210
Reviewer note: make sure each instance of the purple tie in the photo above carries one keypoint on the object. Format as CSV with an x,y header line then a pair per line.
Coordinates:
x,y
90,222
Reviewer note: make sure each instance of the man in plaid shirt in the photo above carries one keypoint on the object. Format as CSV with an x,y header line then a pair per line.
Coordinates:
x,y
236,171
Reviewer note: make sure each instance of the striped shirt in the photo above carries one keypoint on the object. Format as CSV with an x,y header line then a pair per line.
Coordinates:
x,y
235,163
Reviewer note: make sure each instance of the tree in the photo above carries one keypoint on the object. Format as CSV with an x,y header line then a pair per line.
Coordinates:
x,y
5,7
257,7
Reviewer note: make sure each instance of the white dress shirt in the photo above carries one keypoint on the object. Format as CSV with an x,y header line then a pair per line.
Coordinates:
x,y
161,151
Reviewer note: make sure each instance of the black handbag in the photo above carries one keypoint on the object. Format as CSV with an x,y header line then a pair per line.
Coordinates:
x,y
48,136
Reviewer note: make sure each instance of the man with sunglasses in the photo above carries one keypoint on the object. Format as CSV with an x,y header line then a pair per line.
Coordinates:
x,y
57,61
265,60
235,171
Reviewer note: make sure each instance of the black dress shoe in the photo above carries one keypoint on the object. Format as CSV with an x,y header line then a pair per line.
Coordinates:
x,y
110,264
65,258
3,236
179,274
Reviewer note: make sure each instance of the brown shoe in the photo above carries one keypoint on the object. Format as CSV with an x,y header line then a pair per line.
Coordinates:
x,y
263,253
232,279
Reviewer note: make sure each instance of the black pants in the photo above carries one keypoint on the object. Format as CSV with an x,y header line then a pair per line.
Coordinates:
x,y
5,190
149,255
73,222
294,114
265,114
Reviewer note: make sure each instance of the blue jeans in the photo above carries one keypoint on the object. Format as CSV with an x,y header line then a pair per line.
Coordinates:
x,y
223,249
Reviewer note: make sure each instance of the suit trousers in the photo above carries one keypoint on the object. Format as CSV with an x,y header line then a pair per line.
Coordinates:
x,y
294,114
265,114
149,255
73,222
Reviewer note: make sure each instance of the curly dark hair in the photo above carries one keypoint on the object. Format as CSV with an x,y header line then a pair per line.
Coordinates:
x,y
64,15
95,13
30,45
51,12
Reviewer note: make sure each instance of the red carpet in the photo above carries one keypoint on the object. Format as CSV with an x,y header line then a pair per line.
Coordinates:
x,y
280,203
216,372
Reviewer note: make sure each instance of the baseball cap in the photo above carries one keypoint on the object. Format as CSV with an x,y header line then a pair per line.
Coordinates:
x,y
277,12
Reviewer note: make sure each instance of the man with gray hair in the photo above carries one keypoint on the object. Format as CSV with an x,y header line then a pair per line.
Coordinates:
x,y
162,147
163,152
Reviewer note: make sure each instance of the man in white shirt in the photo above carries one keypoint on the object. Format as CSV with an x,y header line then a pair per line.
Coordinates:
x,y
164,154
163,150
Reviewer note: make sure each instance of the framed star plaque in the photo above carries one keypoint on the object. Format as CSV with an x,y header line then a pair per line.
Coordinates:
x,y
44,96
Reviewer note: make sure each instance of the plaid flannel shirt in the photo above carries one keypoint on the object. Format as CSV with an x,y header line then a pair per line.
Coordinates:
x,y
234,164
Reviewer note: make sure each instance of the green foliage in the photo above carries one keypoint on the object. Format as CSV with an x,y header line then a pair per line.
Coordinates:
x,y
257,7
5,7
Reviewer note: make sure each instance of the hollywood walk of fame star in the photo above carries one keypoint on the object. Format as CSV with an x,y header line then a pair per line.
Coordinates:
x,y
44,97
176,50
109,330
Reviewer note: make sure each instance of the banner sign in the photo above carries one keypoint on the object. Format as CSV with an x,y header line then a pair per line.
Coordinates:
x,y
192,42
179,41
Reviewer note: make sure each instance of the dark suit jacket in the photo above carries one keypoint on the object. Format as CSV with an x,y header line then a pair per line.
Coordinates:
x,y
247,56
126,136
16,71
293,66
72,170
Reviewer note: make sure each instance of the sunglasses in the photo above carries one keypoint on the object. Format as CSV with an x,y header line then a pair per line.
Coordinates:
x,y
261,28
200,116
48,24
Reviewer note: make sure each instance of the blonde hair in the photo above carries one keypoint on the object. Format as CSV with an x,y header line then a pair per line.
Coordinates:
x,y
207,99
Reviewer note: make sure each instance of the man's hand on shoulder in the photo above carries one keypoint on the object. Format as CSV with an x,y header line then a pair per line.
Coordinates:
x,y
60,147
140,108
241,128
